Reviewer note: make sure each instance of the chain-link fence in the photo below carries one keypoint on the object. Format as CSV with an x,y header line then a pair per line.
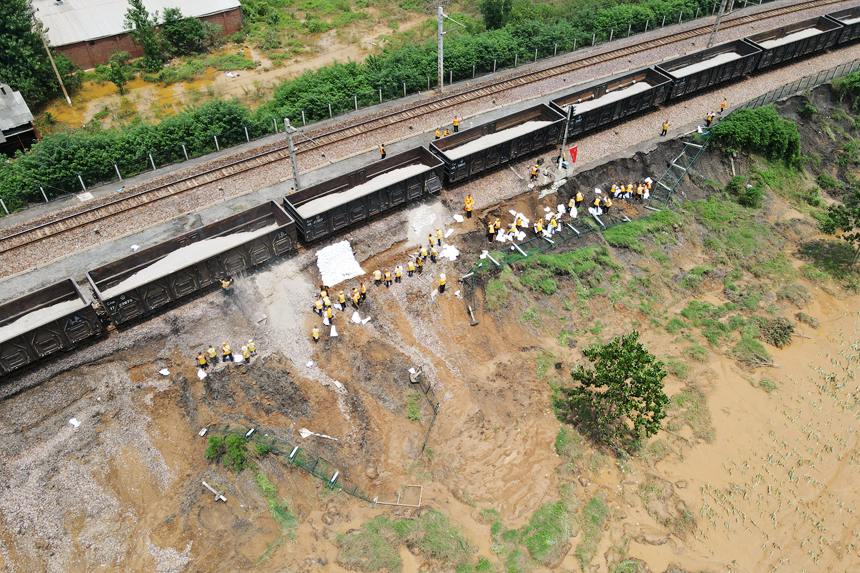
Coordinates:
x,y
266,440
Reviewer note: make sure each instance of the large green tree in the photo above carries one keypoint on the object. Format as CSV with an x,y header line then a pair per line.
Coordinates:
x,y
619,399
143,27
23,62
119,71
495,13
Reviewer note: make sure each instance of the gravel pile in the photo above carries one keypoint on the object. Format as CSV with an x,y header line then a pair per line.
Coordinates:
x,y
268,175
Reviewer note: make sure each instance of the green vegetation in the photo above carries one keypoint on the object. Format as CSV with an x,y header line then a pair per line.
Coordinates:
x,y
629,235
413,408
760,130
847,88
630,405
807,109
775,331
690,408
767,385
592,518
583,265
746,194
543,363
807,319
280,510
374,547
751,352
230,449
547,532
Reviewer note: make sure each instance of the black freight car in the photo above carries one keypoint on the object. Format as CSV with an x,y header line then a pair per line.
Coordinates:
x,y
700,71
141,284
355,197
497,142
38,324
850,21
604,103
795,41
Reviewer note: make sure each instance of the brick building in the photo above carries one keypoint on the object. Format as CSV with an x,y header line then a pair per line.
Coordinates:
x,y
16,122
89,31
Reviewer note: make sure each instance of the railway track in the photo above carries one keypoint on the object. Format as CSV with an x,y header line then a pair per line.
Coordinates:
x,y
27,235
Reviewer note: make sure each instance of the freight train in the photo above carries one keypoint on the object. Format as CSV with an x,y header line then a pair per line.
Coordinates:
x,y
62,317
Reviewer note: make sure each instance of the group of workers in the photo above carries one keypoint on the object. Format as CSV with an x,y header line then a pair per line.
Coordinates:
x,y
709,117
209,357
324,306
445,132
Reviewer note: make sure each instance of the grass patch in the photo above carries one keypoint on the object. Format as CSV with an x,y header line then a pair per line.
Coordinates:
x,y
592,518
413,408
677,368
675,325
231,450
497,293
570,445
795,293
547,532
630,235
833,259
806,319
696,352
750,352
655,451
689,408
767,385
543,363
694,278
540,273
373,547
280,510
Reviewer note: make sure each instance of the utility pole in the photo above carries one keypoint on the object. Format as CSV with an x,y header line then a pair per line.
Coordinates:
x,y
440,32
41,33
717,22
570,111
290,130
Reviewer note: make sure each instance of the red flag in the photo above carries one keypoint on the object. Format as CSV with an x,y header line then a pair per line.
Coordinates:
x,y
573,151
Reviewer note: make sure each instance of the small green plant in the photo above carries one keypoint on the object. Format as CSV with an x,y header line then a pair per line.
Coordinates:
x,y
748,194
592,518
776,331
497,294
630,235
750,352
767,385
675,325
828,182
696,352
689,407
413,409
543,363
280,510
806,319
807,109
547,532
231,450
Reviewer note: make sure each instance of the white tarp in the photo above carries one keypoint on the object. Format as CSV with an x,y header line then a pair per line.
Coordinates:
x,y
185,257
337,263
494,139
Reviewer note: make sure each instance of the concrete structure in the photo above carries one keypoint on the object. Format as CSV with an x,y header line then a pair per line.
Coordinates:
x,y
16,122
89,31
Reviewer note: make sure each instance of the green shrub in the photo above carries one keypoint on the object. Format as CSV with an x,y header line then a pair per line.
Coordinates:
x,y
231,450
847,88
807,319
750,352
827,181
760,130
629,235
807,109
776,331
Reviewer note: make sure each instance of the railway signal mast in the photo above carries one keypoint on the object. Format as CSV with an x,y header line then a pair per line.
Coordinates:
x,y
720,15
293,161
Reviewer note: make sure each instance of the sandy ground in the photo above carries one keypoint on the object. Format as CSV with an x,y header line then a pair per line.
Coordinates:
x,y
765,478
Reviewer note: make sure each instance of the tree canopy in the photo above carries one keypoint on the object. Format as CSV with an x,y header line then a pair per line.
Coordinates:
x,y
143,27
618,399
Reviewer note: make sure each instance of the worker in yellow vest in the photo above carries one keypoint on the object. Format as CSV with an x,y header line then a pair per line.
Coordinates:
x,y
226,352
341,299
212,355
579,199
539,227
607,203
419,264
456,123
410,268
377,277
442,280
439,236
363,290
437,133
491,231
201,361
469,205
398,273
315,334
387,279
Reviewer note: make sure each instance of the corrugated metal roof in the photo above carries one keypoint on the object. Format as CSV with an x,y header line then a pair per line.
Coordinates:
x,y
72,21
13,110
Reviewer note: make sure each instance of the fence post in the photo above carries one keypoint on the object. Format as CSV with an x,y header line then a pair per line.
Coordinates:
x,y
555,49
217,147
611,34
247,137
593,38
680,17
494,65
629,29
664,21
355,101
275,123
574,43
697,13
330,115
516,59
151,162
450,77
184,151
535,54
380,95
4,206
44,195
304,123
473,71
116,168
81,179
646,24
404,89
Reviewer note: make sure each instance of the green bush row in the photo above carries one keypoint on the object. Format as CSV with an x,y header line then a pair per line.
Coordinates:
x,y
760,130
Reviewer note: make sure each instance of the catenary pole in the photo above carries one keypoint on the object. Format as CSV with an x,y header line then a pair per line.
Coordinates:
x,y
716,28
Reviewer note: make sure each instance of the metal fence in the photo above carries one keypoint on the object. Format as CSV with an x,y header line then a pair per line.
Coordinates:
x,y
802,85
294,455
